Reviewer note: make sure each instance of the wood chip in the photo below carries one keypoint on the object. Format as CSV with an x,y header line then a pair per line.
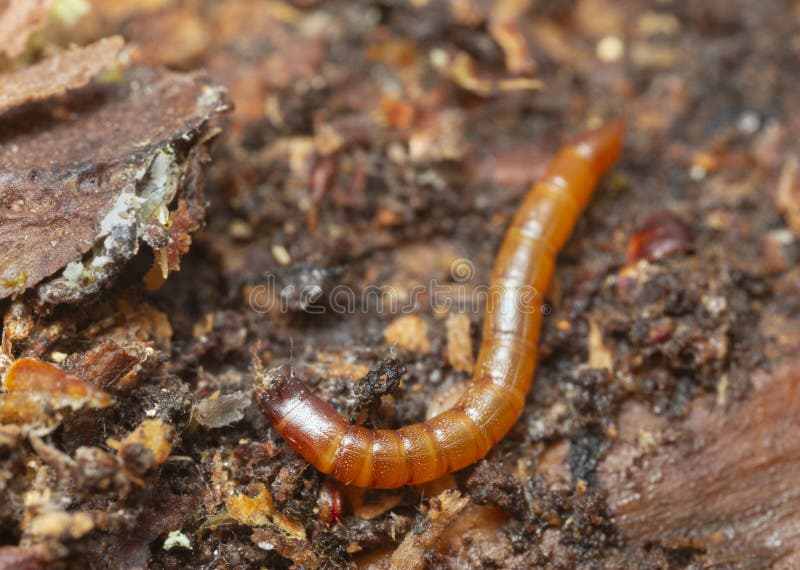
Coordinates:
x,y
444,509
155,436
18,22
60,524
478,535
260,511
408,332
340,365
27,375
599,356
57,74
367,504
459,342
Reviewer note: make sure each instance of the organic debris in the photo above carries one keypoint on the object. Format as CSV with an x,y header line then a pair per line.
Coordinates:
x,y
19,20
114,185
57,74
352,205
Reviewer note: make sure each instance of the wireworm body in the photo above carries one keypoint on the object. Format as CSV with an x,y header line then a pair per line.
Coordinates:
x,y
504,370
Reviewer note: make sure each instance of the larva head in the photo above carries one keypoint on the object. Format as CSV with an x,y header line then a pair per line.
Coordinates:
x,y
308,423
278,392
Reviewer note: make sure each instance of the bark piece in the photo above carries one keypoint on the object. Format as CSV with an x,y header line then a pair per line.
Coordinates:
x,y
18,21
459,342
408,332
729,486
112,366
37,390
84,180
445,508
35,376
57,74
146,447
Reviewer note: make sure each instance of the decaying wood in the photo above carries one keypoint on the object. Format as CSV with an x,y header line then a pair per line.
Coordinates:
x,y
71,178
57,74
19,20
444,510
729,483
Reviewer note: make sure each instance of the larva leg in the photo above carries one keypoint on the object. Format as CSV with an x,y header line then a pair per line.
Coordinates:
x,y
506,362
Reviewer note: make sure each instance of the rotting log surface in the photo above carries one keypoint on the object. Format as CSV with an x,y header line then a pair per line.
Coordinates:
x,y
729,485
64,168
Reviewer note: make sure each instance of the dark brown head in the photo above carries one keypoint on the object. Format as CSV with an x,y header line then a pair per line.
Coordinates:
x,y
278,392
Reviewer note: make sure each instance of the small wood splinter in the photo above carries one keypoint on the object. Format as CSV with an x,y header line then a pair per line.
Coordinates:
x,y
504,370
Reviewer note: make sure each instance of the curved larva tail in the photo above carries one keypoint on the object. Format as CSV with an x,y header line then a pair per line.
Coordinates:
x,y
602,146
504,369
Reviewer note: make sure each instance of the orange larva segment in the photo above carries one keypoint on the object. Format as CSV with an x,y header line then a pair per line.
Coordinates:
x,y
547,217
507,362
517,315
492,409
553,189
481,437
423,454
389,467
514,266
571,174
353,462
315,430
459,439
366,478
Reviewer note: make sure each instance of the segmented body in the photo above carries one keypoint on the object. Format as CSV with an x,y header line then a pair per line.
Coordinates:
x,y
504,369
